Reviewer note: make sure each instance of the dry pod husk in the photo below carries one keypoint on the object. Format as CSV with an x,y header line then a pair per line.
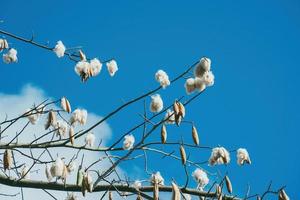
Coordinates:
x,y
181,109
195,135
51,119
71,135
283,195
228,184
82,56
110,195
183,155
3,44
65,105
156,191
163,134
84,186
7,159
178,119
176,108
175,192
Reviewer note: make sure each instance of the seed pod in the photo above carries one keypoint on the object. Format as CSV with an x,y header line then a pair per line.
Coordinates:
x,y
7,159
283,195
178,119
218,190
176,108
110,195
79,177
175,192
65,104
183,155
82,56
65,174
51,120
181,109
195,135
156,191
71,135
163,134
220,197
228,184
84,186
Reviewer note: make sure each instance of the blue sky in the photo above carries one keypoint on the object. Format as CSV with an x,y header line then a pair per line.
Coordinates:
x,y
254,47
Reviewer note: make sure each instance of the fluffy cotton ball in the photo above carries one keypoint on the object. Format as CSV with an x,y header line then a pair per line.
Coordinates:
x,y
10,56
80,116
208,78
202,67
33,118
112,67
25,173
219,155
157,178
128,142
243,156
95,66
163,78
137,184
62,128
57,168
201,177
59,49
156,103
200,84
170,116
90,139
189,85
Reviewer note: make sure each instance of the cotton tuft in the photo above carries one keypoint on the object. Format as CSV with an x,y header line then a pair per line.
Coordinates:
x,y
10,56
112,67
90,140
170,117
219,155
189,85
156,178
243,156
57,168
200,176
128,142
203,66
156,103
25,173
79,116
59,49
163,78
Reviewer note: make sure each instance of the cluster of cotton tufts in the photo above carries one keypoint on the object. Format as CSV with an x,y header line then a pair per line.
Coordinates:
x,y
56,169
87,69
71,196
219,155
128,142
156,104
137,184
25,173
10,56
156,178
243,156
163,78
62,128
203,77
59,49
80,116
90,140
87,183
3,44
112,67
200,177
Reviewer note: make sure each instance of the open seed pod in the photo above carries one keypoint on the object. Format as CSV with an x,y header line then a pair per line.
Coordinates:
x,y
51,120
7,159
282,195
181,109
176,108
65,104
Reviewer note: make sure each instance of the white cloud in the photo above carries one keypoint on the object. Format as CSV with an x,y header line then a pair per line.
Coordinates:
x,y
12,105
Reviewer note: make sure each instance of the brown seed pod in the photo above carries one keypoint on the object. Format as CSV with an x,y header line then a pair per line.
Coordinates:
x,y
156,191
183,155
181,109
228,184
84,186
195,135
175,192
176,108
110,195
7,159
163,134
283,195
71,135
218,190
51,120
65,105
